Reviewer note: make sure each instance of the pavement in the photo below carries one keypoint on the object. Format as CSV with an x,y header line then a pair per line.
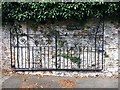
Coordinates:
x,y
38,81
2,79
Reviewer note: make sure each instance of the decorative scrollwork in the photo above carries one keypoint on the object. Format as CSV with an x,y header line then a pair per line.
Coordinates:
x,y
13,40
23,40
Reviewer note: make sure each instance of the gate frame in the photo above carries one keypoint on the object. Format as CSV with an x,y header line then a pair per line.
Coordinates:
x,y
25,69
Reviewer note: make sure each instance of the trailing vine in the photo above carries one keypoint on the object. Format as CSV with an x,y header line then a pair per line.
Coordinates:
x,y
42,12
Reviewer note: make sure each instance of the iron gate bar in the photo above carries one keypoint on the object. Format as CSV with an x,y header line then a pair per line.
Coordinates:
x,y
67,56
83,57
71,56
14,57
32,59
56,48
11,50
79,57
28,49
22,56
91,56
48,56
95,50
17,50
87,56
52,57
98,58
44,57
102,41
25,57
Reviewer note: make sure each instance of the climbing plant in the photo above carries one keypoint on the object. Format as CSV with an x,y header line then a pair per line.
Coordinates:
x,y
42,12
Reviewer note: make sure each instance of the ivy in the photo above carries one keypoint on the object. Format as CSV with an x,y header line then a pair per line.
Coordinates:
x,y
74,59
42,12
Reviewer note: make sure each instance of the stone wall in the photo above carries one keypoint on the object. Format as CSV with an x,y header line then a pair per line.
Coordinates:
x,y
0,52
6,59
110,47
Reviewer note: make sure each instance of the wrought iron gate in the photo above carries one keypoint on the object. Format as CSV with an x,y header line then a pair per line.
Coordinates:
x,y
68,50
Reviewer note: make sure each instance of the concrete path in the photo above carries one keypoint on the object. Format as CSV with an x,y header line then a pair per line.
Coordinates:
x,y
2,79
30,81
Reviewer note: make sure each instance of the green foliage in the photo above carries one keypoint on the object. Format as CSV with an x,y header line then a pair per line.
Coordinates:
x,y
61,43
106,55
73,59
42,12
